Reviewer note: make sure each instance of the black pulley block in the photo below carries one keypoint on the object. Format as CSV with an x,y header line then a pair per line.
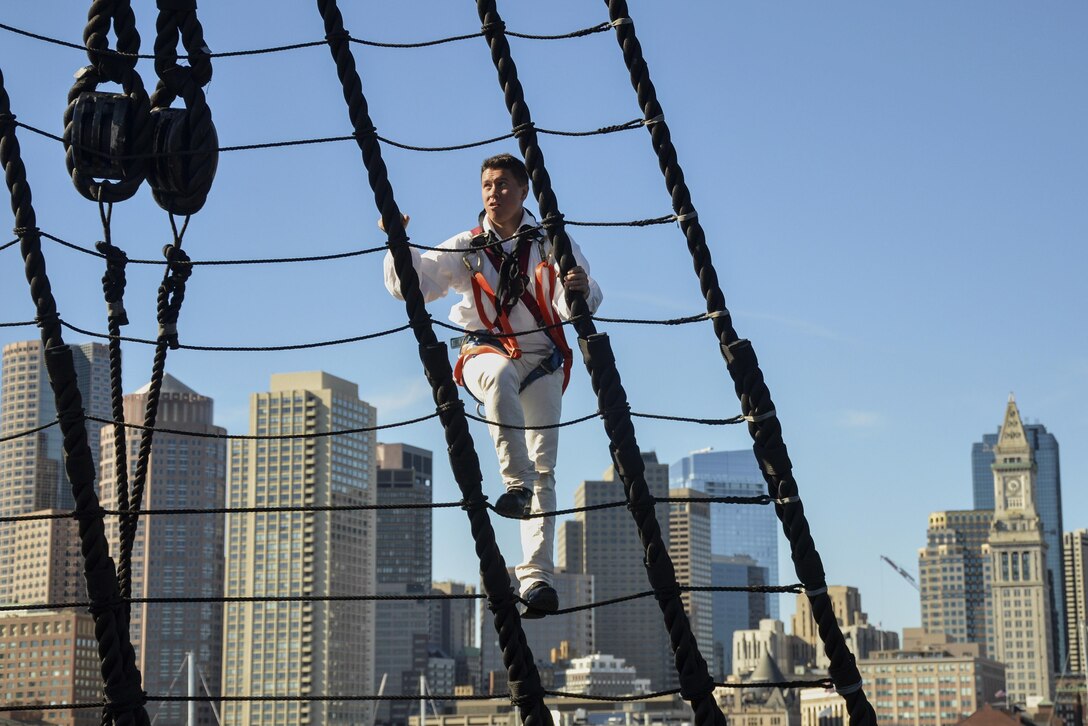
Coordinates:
x,y
106,137
185,155
100,134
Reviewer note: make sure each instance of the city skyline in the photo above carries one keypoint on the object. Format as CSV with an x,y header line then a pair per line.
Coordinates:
x,y
311,402
878,618
862,172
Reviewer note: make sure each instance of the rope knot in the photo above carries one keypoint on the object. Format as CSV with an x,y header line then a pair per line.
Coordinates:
x,y
89,515
499,601
113,281
527,691
495,27
667,593
474,503
7,120
646,504
696,686
520,129
340,34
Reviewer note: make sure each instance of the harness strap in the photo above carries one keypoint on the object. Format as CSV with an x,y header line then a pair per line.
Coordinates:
x,y
540,308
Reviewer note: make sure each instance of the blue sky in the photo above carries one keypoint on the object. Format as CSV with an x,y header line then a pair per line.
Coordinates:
x,y
894,196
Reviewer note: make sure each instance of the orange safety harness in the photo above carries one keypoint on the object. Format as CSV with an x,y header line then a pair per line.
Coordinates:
x,y
500,338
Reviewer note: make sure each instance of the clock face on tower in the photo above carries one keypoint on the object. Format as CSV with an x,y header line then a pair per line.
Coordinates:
x,y
1012,486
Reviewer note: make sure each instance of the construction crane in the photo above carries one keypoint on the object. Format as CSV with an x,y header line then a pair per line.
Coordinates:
x,y
902,573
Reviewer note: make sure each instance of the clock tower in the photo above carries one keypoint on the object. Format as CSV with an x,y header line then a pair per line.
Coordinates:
x,y
1020,595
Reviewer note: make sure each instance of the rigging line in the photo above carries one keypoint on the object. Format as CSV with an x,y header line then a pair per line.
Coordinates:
x,y
259,146
815,683
599,28
9,244
667,219
270,437
242,349
796,588
28,432
362,337
762,499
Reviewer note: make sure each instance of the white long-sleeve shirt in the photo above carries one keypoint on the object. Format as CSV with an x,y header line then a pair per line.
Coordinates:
x,y
441,271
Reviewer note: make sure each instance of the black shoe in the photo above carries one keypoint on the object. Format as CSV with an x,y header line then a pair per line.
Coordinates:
x,y
514,502
541,599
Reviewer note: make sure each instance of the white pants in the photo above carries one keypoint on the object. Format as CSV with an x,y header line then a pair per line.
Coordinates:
x,y
526,458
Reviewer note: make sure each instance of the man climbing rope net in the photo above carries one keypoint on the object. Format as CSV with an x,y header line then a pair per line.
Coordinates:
x,y
506,288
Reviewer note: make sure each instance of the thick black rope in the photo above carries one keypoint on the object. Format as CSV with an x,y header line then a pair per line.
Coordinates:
x,y
755,397
517,657
120,675
695,681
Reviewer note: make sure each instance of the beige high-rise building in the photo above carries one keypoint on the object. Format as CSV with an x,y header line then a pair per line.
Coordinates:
x,y
954,574
611,551
301,648
1075,561
50,658
845,601
47,567
1021,597
176,555
32,476
689,546
929,682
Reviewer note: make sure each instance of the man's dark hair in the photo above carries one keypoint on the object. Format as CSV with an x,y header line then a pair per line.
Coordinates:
x,y
508,162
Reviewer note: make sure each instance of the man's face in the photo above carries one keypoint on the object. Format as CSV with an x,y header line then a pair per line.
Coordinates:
x,y
503,196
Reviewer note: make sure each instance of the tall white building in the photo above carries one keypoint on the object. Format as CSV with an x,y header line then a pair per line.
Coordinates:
x,y
301,648
176,555
1020,594
1075,560
32,476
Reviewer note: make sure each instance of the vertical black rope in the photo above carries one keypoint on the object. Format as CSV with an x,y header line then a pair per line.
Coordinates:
x,y
118,661
755,397
696,685
113,290
170,297
518,659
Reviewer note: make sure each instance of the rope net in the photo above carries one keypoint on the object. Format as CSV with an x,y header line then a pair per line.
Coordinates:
x,y
181,170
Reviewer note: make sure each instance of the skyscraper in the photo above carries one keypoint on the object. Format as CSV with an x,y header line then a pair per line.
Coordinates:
x,y
403,567
611,551
954,577
301,648
1075,557
689,546
1048,504
1021,599
733,611
32,476
174,555
735,529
